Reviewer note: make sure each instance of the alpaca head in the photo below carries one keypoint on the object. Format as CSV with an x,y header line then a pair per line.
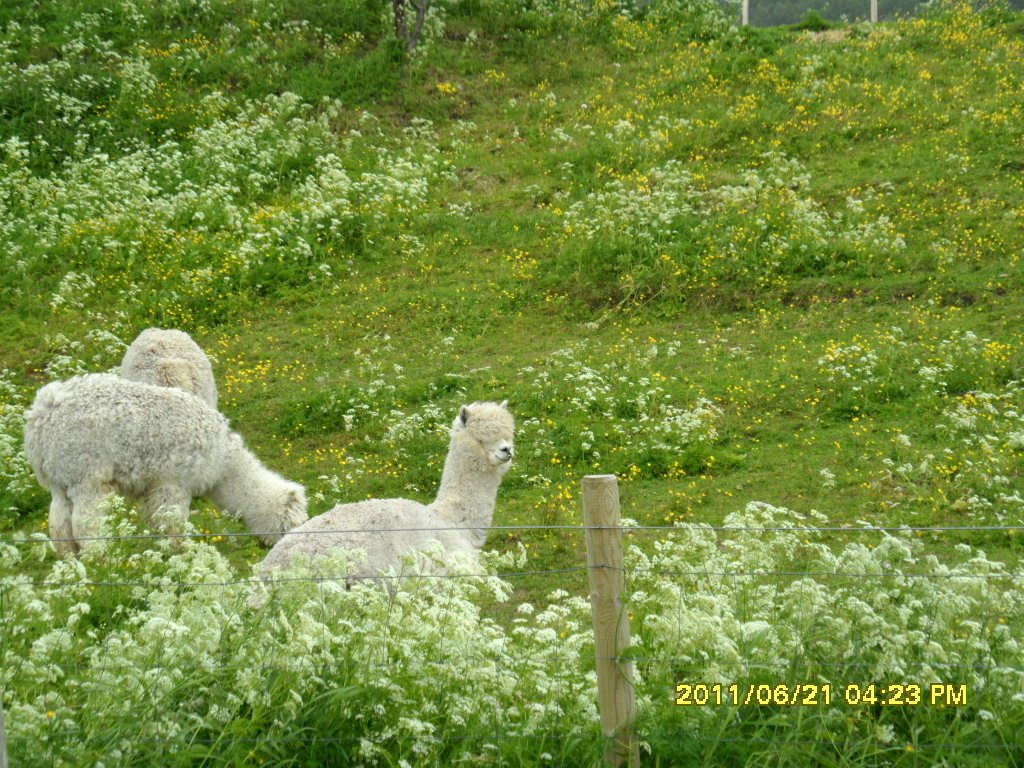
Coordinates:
x,y
170,358
177,372
267,503
486,430
280,507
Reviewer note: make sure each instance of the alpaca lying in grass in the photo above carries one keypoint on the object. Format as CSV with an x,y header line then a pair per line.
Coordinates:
x,y
170,358
96,434
479,456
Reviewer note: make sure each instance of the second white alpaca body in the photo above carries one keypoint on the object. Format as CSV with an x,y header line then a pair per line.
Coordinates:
x,y
479,455
170,358
98,434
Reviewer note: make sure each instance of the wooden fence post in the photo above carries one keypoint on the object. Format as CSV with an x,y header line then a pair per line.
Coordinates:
x,y
616,698
874,11
744,12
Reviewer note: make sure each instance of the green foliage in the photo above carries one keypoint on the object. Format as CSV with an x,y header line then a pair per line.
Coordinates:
x,y
19,493
109,77
323,412
235,670
724,264
720,627
658,234
813,21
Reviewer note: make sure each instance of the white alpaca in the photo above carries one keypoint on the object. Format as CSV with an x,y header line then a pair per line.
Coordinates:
x,y
169,358
480,453
98,434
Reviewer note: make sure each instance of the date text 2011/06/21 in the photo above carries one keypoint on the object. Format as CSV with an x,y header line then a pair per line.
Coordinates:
x,y
820,694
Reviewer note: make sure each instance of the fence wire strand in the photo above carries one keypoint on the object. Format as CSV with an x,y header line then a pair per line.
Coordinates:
x,y
626,529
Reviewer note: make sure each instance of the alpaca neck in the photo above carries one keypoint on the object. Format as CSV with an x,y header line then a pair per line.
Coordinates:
x,y
469,487
241,487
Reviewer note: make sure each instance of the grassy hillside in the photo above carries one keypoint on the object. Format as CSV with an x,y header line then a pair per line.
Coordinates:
x,y
728,265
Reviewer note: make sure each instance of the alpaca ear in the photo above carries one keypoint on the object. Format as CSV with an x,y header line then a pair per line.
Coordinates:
x,y
464,415
504,404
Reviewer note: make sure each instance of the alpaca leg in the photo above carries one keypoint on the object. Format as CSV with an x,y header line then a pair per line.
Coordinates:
x,y
164,497
85,510
60,523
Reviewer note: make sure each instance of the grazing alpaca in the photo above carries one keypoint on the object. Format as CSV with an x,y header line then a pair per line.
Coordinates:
x,y
480,453
98,434
169,358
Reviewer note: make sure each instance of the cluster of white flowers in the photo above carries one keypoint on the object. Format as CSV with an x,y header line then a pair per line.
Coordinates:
x,y
614,409
193,651
721,606
953,360
192,644
769,224
269,188
73,290
60,91
15,473
96,350
983,436
403,427
852,366
929,366
677,427
649,214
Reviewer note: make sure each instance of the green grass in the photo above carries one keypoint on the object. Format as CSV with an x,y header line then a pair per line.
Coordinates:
x,y
801,197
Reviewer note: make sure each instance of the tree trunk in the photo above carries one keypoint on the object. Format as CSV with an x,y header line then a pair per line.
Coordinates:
x,y
410,37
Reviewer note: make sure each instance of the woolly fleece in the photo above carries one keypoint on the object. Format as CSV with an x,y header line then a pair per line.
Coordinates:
x,y
98,434
479,455
170,358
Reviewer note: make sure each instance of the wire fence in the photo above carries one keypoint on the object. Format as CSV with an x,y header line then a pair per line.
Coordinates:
x,y
627,528
769,13
717,624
